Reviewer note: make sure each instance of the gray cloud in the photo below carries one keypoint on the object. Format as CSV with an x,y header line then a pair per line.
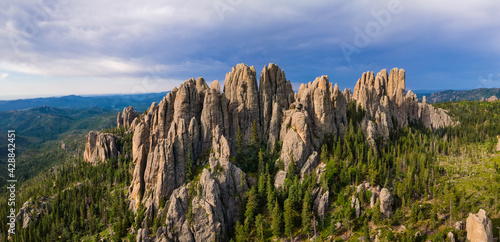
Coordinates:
x,y
110,40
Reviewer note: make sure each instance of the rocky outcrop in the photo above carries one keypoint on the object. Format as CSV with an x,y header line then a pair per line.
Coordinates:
x,y
212,211
492,99
214,114
479,227
279,179
276,95
326,105
321,202
30,212
162,140
297,137
386,202
99,147
385,100
126,118
195,118
451,237
242,93
356,205
310,165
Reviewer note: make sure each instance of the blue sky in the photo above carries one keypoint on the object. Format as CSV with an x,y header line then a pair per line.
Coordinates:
x,y
62,47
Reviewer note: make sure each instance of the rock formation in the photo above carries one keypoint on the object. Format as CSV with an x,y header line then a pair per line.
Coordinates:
x,y
99,147
126,118
385,100
162,140
276,95
479,227
30,212
492,99
207,215
356,205
240,88
196,118
386,202
321,202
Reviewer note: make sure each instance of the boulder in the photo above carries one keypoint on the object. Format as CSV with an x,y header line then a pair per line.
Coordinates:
x,y
310,165
386,202
356,205
451,237
479,227
279,180
321,203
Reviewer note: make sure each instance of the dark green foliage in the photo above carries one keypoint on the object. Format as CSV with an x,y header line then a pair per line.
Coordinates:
x,y
189,165
277,218
307,212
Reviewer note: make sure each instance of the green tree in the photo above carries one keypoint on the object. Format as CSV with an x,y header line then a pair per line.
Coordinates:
x,y
189,166
277,220
252,205
240,150
307,212
241,233
259,227
288,214
270,193
261,191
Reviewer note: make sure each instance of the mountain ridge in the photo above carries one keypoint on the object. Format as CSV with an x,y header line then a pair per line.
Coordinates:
x,y
172,135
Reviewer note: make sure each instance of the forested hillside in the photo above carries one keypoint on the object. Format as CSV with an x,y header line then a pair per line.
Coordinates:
x,y
407,173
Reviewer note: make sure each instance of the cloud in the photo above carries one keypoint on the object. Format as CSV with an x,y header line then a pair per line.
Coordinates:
x,y
3,75
123,40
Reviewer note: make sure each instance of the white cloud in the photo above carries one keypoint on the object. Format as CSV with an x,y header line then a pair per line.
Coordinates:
x,y
4,75
109,40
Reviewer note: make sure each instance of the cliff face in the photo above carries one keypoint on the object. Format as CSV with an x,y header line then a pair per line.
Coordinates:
x,y
385,100
195,118
126,118
99,147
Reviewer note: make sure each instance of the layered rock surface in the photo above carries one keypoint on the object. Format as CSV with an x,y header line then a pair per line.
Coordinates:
x,y
479,227
99,147
126,118
208,214
195,118
386,101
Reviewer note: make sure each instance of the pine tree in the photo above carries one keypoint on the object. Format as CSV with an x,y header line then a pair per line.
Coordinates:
x,y
270,193
307,212
288,214
262,162
240,154
252,205
259,227
324,153
277,220
189,166
261,191
366,230
253,147
241,233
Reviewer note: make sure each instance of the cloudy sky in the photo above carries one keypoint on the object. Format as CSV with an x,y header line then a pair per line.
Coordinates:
x,y
62,47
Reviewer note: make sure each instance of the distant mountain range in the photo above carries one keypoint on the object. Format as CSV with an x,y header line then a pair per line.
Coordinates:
x,y
116,102
141,102
454,95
